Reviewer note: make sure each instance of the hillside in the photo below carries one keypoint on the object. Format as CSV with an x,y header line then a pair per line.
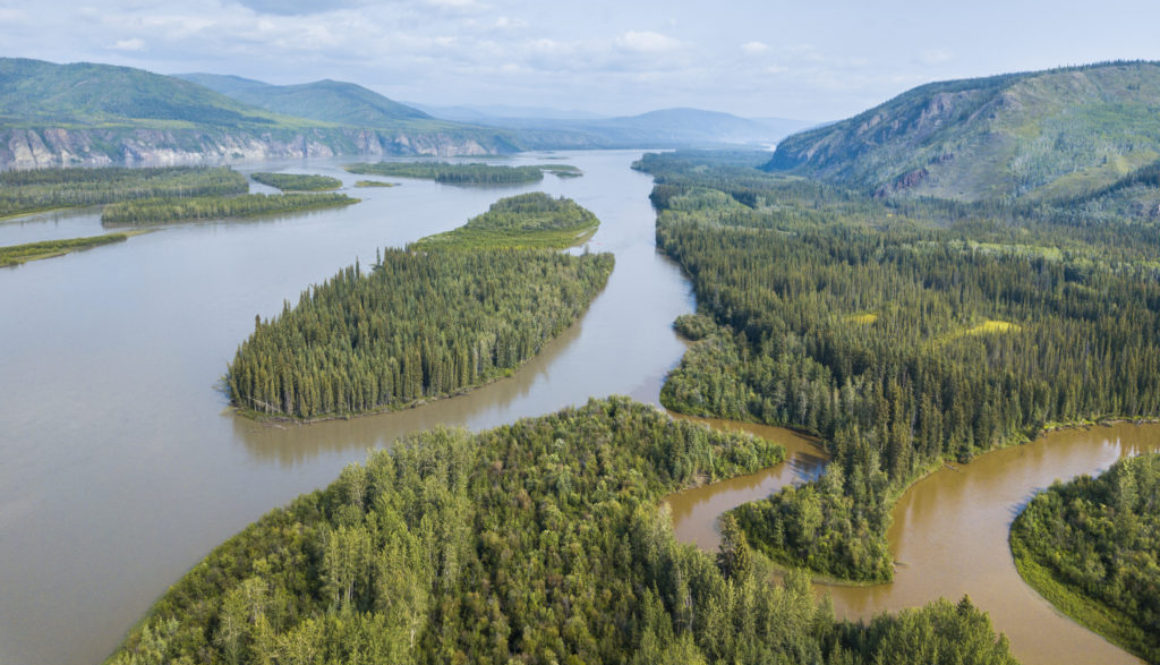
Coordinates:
x,y
327,101
1050,135
88,114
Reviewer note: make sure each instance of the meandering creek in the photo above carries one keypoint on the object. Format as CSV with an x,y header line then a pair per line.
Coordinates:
x,y
120,465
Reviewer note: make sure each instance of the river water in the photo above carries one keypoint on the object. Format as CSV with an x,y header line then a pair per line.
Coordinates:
x,y
949,535
120,466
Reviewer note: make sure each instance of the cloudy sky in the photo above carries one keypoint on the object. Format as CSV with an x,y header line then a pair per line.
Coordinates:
x,y
817,60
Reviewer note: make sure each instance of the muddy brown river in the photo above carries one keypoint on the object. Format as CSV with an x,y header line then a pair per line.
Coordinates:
x,y
949,535
120,465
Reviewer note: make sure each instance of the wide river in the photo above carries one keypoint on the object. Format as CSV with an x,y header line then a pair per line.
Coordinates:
x,y
120,465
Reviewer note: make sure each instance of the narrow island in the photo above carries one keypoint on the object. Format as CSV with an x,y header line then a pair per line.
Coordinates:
x,y
442,316
1092,548
533,220
14,255
538,542
295,182
375,183
161,210
23,192
464,174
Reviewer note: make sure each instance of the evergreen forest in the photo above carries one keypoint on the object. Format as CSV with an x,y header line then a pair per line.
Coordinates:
x,y
538,542
1092,547
160,210
426,321
297,182
44,189
904,333
463,174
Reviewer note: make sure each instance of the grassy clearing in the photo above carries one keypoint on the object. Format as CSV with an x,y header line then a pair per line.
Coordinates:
x,y
864,319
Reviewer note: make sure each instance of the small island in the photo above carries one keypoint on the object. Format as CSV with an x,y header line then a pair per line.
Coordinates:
x,y
297,182
152,211
463,174
1092,548
438,318
15,255
375,183
533,220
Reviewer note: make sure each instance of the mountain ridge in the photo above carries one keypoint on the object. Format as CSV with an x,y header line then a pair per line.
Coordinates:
x,y
1052,134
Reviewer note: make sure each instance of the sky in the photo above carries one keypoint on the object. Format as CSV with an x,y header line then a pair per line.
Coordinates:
x,y
817,61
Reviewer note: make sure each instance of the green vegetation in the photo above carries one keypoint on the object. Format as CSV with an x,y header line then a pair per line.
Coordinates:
x,y
375,183
1051,135
43,189
150,211
901,332
538,542
533,220
13,255
1092,547
297,182
463,174
426,322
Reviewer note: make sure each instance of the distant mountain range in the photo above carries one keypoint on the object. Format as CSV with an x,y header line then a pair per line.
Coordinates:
x,y
93,114
1050,135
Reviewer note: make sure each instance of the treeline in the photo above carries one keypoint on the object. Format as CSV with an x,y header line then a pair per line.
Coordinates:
x,y
148,211
42,189
420,325
1092,547
533,220
540,542
297,182
462,174
16,254
900,343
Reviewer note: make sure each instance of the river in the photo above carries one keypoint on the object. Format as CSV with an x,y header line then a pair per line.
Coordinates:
x,y
121,466
949,535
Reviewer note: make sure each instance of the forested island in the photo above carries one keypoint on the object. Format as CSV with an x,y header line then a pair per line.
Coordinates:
x,y
159,210
428,320
533,220
296,182
538,542
22,192
904,333
464,174
14,255
1092,547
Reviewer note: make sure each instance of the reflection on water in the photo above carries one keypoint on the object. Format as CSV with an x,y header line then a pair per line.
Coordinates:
x,y
949,536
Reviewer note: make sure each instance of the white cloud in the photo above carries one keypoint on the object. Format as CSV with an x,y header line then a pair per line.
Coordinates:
x,y
134,44
755,48
647,42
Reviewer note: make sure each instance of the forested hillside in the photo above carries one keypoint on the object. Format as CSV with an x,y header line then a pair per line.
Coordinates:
x,y
1092,547
539,542
1051,135
903,334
